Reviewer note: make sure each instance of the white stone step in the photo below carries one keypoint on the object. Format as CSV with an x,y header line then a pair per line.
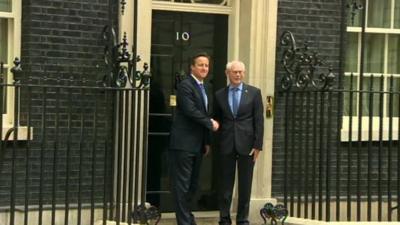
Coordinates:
x,y
202,218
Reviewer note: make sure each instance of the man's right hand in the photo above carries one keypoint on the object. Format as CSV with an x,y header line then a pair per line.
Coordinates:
x,y
215,124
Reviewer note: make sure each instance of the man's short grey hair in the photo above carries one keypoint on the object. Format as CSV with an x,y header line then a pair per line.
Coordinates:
x,y
229,64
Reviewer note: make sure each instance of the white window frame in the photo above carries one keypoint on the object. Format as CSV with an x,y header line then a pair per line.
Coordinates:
x,y
13,51
345,132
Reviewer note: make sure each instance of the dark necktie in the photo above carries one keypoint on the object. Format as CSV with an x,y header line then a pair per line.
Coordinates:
x,y
203,92
235,101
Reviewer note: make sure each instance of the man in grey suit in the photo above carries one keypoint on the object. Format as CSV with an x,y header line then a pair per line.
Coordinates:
x,y
190,137
239,110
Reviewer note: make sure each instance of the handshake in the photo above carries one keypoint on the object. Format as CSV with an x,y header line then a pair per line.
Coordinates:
x,y
215,125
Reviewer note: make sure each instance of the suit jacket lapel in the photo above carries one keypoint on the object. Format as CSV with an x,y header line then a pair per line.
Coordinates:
x,y
199,94
226,97
243,98
226,105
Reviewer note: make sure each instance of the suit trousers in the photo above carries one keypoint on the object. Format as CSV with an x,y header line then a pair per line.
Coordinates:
x,y
184,174
227,169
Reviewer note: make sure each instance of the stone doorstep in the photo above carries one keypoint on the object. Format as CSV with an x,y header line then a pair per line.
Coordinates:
x,y
202,218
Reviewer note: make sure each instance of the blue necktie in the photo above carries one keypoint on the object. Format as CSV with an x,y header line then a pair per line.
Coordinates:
x,y
203,92
235,101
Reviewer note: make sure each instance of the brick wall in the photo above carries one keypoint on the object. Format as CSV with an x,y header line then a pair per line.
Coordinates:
x,y
60,35
318,23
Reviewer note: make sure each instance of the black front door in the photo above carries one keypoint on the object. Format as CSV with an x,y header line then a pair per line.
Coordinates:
x,y
176,36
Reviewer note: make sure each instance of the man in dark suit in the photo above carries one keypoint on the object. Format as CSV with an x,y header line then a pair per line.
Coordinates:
x,y
190,137
239,110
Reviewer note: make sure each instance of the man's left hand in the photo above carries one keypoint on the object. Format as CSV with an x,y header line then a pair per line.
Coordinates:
x,y
255,153
207,150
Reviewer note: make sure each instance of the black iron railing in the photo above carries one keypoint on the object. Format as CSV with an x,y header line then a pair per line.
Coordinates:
x,y
340,145
329,169
74,149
